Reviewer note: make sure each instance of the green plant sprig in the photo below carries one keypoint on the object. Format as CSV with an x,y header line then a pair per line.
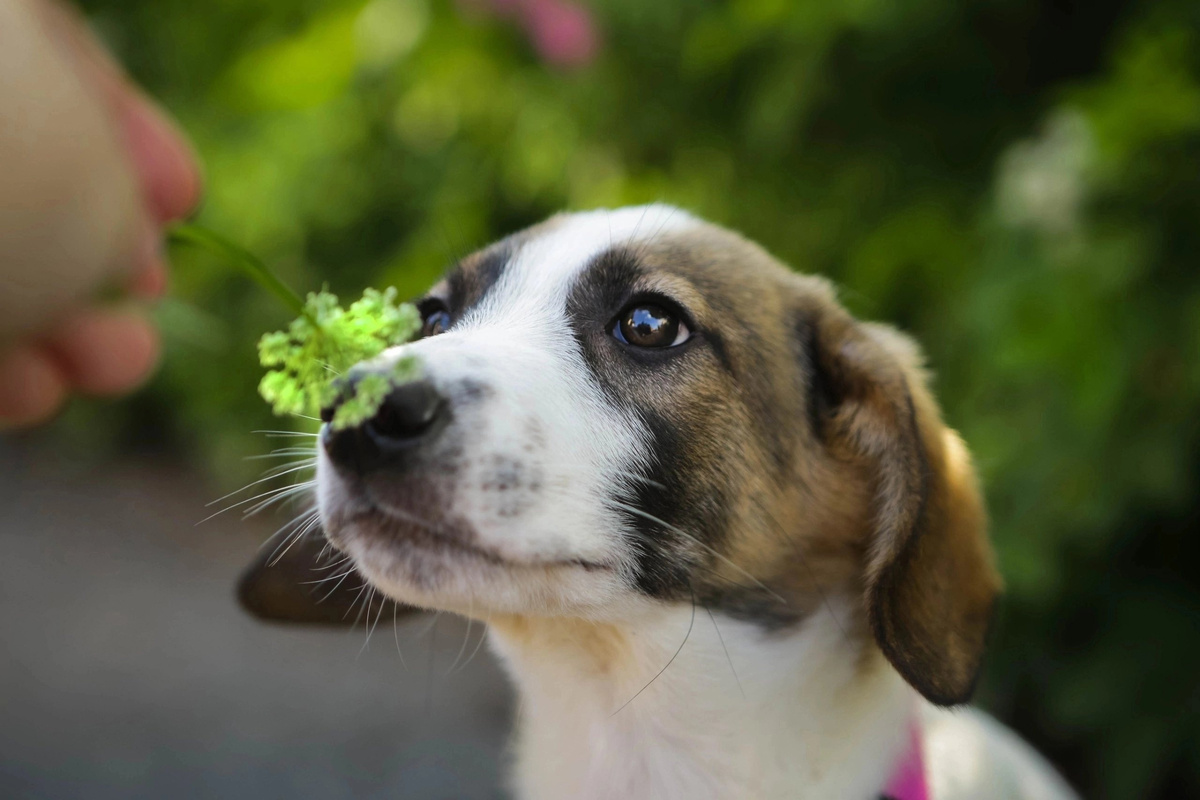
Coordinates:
x,y
321,345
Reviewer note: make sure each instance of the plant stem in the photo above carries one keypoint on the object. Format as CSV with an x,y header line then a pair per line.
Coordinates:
x,y
244,260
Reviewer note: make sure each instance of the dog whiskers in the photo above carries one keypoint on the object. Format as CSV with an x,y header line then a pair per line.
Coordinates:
x,y
287,493
287,526
478,643
687,636
322,581
337,585
364,589
284,452
721,639
288,468
332,564
274,472
312,522
273,495
382,604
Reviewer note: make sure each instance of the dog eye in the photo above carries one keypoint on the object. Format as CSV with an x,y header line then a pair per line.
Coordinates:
x,y
436,319
650,326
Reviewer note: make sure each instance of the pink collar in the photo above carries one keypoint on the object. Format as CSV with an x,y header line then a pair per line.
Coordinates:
x,y
908,776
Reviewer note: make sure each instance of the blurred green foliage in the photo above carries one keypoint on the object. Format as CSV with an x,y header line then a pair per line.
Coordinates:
x,y
1015,182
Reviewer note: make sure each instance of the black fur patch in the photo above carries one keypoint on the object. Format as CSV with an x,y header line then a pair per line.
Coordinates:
x,y
677,522
472,279
662,568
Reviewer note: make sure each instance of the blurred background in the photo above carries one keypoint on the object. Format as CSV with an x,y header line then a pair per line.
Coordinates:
x,y
1015,182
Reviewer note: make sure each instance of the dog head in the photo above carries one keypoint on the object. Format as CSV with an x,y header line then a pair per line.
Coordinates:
x,y
627,407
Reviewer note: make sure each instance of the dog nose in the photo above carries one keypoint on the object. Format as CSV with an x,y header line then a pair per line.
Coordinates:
x,y
408,416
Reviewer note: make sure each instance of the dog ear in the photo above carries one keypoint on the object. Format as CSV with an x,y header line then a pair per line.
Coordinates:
x,y
930,582
307,583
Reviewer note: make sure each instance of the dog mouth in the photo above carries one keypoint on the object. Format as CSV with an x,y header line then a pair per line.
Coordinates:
x,y
403,534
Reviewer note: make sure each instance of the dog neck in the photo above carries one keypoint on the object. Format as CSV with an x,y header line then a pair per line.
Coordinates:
x,y
681,703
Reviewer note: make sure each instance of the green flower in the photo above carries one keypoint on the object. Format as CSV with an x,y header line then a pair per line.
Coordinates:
x,y
324,343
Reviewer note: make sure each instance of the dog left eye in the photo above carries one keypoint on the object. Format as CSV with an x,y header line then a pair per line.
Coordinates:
x,y
650,325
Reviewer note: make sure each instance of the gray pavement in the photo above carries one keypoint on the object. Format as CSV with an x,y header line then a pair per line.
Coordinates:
x,y
127,670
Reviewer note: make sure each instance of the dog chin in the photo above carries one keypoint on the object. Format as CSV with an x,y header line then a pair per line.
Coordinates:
x,y
438,567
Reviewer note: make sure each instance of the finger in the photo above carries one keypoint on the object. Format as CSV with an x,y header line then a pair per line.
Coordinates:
x,y
32,386
106,352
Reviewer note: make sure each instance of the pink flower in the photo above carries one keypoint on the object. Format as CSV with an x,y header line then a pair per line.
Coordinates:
x,y
562,32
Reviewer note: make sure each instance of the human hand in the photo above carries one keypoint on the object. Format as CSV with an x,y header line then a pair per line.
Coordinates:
x,y
95,169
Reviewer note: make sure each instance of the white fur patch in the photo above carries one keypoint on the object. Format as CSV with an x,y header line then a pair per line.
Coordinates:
x,y
739,713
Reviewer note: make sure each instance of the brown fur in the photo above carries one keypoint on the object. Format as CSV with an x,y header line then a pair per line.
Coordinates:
x,y
876,498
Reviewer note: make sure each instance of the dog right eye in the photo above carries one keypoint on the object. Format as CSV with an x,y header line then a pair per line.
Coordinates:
x,y
436,318
651,326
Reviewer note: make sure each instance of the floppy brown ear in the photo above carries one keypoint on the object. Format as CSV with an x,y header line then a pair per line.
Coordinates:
x,y
306,584
930,581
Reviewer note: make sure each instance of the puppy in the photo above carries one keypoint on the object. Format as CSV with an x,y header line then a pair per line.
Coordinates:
x,y
722,539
